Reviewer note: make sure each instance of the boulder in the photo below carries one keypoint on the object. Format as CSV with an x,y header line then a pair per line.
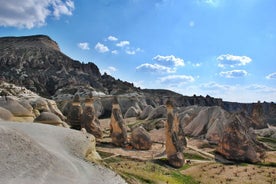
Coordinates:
x,y
50,118
238,144
140,139
175,138
75,113
118,129
89,119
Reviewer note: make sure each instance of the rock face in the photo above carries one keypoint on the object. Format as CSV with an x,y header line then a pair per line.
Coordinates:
x,y
89,119
238,143
140,139
39,153
174,138
5,114
75,113
118,130
131,112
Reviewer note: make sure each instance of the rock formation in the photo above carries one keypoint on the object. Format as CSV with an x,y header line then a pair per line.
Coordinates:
x,y
89,118
75,113
50,118
5,114
174,138
36,153
19,112
140,139
146,111
131,112
118,130
238,144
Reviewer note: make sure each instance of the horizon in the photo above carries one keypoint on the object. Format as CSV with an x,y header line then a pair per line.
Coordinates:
x,y
205,47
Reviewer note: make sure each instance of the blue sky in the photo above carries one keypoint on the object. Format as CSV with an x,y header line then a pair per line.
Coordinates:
x,y
223,48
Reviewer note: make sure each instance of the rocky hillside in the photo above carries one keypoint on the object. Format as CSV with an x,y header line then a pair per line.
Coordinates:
x,y
37,63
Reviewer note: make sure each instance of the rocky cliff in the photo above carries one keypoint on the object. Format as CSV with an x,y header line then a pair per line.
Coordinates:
x,y
37,63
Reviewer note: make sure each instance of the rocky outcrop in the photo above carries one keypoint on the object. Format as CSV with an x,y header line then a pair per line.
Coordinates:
x,y
131,112
89,119
5,114
158,112
39,153
146,111
238,143
75,113
19,112
140,139
174,138
50,118
118,130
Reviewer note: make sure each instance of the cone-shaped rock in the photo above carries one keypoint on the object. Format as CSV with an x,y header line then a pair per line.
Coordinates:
x,y
89,119
140,139
238,144
75,113
174,138
118,130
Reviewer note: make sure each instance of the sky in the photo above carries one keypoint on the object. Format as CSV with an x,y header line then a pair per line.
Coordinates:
x,y
222,48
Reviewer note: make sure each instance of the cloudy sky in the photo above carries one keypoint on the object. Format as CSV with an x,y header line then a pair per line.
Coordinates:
x,y
223,48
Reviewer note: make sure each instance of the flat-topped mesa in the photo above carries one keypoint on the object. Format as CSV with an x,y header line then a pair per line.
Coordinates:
x,y
118,130
175,139
89,120
35,41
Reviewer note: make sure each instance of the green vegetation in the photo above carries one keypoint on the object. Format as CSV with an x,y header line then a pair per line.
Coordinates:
x,y
193,156
136,171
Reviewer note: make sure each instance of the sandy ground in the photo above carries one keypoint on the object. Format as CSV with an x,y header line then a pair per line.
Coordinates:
x,y
37,153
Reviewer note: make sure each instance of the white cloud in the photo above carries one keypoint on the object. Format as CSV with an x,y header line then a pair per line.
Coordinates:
x,y
122,43
271,76
176,79
101,48
146,67
110,70
234,73
133,51
115,52
32,13
232,60
84,46
112,38
169,60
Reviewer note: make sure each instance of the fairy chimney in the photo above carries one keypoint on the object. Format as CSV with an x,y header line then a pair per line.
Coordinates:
x,y
75,113
174,138
118,130
89,118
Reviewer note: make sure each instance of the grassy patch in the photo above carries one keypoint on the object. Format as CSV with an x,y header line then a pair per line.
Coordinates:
x,y
193,156
134,171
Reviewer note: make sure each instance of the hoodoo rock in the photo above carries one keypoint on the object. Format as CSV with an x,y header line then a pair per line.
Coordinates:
x,y
75,113
238,144
140,139
175,139
118,130
89,118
